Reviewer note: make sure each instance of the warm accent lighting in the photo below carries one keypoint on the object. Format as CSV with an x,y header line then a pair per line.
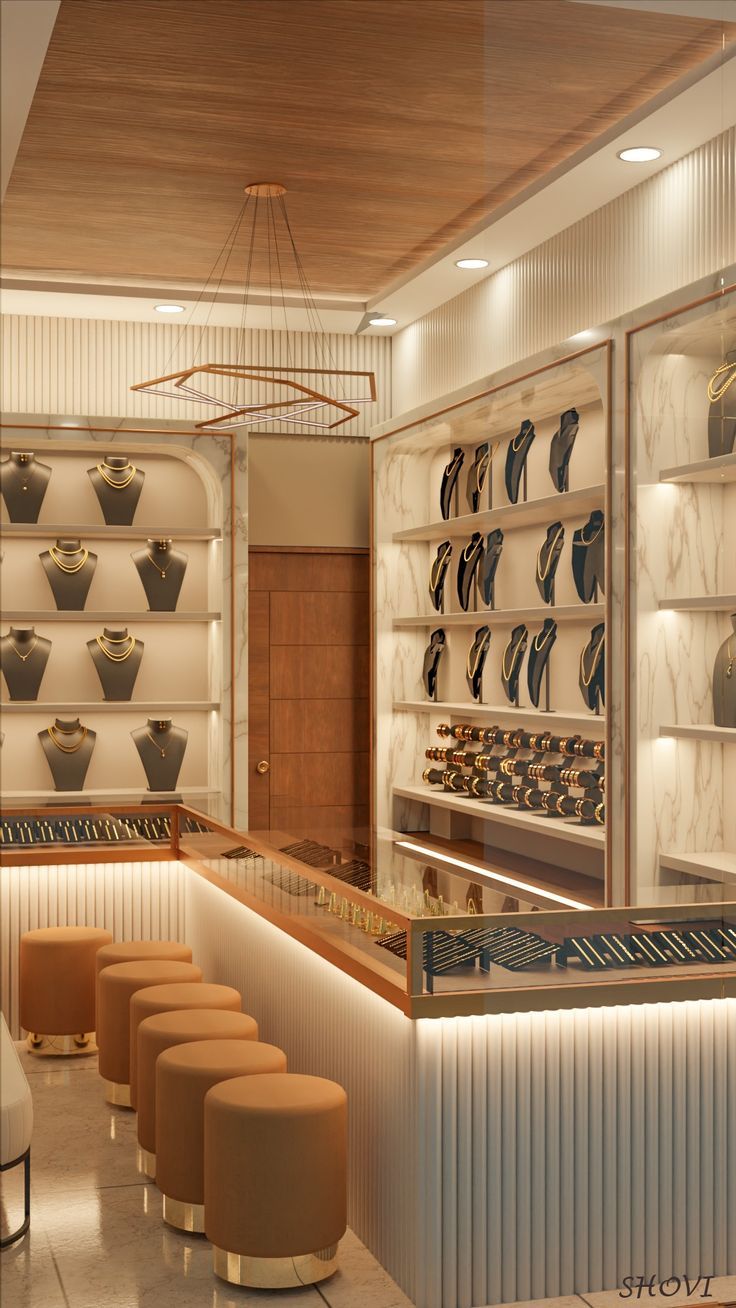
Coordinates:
x,y
639,154
471,263
435,856
383,322
169,308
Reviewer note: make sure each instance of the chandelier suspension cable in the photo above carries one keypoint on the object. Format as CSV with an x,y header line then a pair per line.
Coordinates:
x,y
272,216
318,329
246,298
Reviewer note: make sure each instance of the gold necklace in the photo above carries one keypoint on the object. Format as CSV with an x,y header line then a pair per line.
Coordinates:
x,y
551,632
69,568
519,439
482,467
715,391
162,571
24,475
480,650
112,640
451,465
519,649
597,534
155,743
23,657
543,575
731,659
117,485
472,546
67,749
440,562
594,665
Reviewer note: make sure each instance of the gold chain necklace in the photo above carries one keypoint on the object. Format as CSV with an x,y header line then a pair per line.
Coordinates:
x,y
471,546
593,538
507,673
716,390
519,439
23,657
23,475
543,575
117,485
480,650
482,467
451,465
587,680
551,632
155,743
67,749
69,568
440,562
161,571
112,656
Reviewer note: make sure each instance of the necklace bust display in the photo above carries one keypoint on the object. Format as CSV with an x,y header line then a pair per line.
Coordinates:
x,y
722,412
432,659
538,662
470,557
592,669
117,484
489,566
68,748
478,474
477,655
547,560
69,569
161,747
561,449
724,681
516,457
24,482
449,481
438,573
117,659
588,557
23,658
161,570
511,661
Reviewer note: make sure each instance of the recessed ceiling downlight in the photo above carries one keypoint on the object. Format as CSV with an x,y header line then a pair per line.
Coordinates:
x,y
169,308
471,263
639,154
383,322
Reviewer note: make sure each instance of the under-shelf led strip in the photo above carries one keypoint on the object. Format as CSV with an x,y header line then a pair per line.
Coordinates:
x,y
491,876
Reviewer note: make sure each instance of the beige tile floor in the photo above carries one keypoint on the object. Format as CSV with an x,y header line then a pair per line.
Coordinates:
x,y
97,1239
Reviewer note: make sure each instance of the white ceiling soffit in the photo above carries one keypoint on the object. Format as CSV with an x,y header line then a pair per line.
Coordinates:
x,y
722,11
26,27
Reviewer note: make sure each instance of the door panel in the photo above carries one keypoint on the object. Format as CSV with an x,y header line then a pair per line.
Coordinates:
x,y
299,779
319,672
319,725
319,618
259,724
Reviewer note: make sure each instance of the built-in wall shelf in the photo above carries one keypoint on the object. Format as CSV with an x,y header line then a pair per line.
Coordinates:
x,y
586,724
701,731
44,531
114,616
81,798
154,708
551,508
718,866
719,469
509,617
556,828
701,604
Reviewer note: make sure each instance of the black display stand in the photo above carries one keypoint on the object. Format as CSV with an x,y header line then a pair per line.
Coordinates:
x,y
23,658
724,681
69,569
161,570
68,746
117,659
117,484
23,482
161,747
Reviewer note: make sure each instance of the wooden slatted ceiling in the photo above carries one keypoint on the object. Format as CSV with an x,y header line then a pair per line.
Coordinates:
x,y
395,124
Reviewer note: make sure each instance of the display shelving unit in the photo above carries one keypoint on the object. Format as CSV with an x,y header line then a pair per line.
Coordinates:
x,y
408,459
185,673
682,771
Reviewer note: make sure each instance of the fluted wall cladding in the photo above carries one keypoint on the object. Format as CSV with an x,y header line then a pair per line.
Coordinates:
x,y
497,1159
79,366
134,901
665,233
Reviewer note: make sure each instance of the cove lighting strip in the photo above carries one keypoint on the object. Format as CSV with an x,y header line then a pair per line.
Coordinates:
x,y
490,876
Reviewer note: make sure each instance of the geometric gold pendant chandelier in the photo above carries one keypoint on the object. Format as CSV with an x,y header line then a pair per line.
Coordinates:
x,y
318,394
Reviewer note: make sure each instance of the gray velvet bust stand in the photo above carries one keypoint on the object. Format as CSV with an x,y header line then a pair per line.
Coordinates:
x,y
724,685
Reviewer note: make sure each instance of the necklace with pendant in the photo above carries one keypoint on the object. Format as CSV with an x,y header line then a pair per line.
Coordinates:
x,y
161,571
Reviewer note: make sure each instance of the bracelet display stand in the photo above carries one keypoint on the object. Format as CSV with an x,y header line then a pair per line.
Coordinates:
x,y
24,482
117,659
161,570
561,449
68,747
23,658
69,569
724,681
117,484
161,747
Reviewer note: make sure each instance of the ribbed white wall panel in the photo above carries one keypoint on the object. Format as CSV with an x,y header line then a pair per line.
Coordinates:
x,y
135,901
667,232
496,1159
85,367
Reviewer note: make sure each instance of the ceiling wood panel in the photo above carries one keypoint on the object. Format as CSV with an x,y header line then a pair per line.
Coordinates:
x,y
394,124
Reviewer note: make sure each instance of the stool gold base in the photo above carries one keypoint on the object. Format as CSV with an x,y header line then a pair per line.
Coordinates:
x,y
274,1273
117,1093
146,1162
185,1217
46,1046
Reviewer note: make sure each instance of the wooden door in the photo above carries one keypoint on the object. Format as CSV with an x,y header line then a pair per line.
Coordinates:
x,y
308,636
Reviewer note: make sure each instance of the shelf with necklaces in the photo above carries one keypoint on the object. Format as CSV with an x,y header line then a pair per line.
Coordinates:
x,y
563,506
107,615
584,613
96,531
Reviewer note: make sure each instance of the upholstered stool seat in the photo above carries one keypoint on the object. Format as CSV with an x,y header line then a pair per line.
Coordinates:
x,y
142,951
57,987
164,1031
116,986
275,1178
169,998
183,1077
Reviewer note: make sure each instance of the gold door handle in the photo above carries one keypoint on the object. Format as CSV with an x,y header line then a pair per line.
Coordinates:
x,y
263,767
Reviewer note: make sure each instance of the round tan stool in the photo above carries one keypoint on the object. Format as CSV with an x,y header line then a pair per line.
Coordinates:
x,y
183,1077
166,999
275,1150
142,951
57,988
164,1031
116,986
